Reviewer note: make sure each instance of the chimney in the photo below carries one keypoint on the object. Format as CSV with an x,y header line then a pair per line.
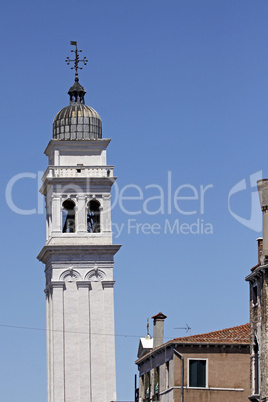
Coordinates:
x,y
259,240
158,329
263,194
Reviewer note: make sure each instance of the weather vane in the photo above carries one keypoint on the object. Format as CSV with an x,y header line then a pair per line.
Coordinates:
x,y
76,60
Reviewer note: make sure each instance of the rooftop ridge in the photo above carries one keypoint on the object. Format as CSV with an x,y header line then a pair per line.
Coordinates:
x,y
233,335
238,334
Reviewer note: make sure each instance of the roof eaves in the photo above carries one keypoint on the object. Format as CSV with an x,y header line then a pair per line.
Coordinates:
x,y
193,340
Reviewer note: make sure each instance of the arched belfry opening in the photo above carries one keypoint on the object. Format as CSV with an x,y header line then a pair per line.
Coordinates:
x,y
68,216
93,217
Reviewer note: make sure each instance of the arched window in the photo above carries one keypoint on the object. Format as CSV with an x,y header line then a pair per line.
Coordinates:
x,y
93,217
68,217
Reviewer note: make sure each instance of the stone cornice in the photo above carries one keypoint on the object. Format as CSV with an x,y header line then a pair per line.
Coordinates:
x,y
257,272
82,144
77,249
107,182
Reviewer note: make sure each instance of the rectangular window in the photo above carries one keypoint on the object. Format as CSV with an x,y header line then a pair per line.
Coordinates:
x,y
147,386
167,375
142,387
254,294
156,380
256,368
197,373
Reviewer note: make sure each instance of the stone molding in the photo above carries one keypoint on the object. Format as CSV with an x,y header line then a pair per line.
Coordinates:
x,y
84,284
106,182
77,249
77,145
108,284
55,285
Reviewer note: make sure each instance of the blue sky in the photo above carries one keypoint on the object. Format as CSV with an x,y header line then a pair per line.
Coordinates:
x,y
181,87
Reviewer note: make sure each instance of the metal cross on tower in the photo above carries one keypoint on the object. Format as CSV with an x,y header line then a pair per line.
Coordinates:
x,y
76,60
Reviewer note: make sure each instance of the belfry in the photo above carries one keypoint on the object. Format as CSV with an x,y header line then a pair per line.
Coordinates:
x,y
79,255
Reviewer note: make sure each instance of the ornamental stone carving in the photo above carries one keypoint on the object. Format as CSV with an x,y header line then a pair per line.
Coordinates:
x,y
70,275
95,275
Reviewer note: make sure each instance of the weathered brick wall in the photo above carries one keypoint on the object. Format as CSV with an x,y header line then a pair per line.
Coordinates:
x,y
259,329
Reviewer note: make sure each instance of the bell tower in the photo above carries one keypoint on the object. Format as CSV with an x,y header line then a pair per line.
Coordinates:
x,y
79,255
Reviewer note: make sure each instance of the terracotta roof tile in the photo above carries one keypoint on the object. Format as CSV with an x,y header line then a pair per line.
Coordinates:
x,y
236,335
239,334
255,266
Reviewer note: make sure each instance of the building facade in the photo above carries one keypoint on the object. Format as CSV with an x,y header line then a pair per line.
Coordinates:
x,y
79,257
258,283
202,368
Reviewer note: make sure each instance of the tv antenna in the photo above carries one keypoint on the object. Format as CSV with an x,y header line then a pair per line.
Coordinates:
x,y
187,328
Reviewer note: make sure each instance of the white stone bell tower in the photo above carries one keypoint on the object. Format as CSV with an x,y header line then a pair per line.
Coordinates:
x,y
79,256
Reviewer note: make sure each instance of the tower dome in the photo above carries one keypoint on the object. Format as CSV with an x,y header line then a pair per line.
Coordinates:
x,y
77,121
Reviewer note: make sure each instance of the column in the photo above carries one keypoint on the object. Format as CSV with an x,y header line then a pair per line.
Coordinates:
x,y
84,341
81,214
71,343
56,214
106,214
49,344
109,339
98,351
57,347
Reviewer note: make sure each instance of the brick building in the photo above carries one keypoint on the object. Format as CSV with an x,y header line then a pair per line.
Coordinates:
x,y
212,367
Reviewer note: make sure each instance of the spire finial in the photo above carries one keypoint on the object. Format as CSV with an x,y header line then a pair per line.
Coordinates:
x,y
76,92
76,60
